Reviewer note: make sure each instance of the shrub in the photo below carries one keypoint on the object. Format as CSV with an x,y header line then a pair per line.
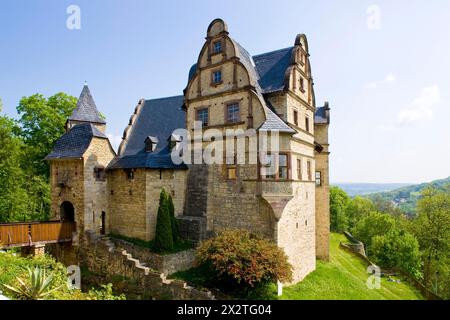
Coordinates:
x,y
240,260
163,235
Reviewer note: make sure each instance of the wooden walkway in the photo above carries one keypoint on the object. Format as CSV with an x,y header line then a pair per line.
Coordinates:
x,y
25,234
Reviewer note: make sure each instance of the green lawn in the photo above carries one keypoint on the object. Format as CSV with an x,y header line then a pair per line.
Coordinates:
x,y
343,278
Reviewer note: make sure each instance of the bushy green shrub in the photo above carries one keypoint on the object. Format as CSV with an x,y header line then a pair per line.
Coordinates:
x,y
240,260
163,235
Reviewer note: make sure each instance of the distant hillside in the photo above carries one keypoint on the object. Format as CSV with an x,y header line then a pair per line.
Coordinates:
x,y
362,189
406,197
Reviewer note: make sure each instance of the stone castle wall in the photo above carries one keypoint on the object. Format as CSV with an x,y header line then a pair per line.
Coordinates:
x,y
127,199
97,156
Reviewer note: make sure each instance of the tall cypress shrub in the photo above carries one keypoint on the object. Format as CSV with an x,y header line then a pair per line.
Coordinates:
x,y
163,236
175,232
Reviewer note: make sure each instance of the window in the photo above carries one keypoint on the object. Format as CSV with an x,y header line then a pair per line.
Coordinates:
x,y
217,47
299,169
275,167
307,123
151,143
309,170
231,172
268,167
231,167
296,117
318,178
233,114
302,85
203,116
130,174
99,174
283,166
217,77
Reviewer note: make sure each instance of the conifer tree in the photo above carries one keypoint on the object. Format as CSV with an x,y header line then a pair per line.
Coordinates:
x,y
174,222
163,236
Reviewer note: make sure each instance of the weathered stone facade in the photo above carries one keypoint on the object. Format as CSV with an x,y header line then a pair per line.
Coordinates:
x,y
269,95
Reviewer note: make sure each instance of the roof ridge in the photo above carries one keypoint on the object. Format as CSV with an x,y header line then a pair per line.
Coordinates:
x,y
274,51
165,98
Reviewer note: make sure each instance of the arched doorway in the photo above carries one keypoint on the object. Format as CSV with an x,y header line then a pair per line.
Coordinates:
x,y
67,212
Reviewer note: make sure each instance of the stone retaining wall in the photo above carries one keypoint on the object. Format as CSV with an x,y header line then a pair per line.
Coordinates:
x,y
101,256
166,264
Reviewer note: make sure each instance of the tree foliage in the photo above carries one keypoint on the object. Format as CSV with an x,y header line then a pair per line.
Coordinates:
x,y
397,249
339,201
42,122
24,174
432,227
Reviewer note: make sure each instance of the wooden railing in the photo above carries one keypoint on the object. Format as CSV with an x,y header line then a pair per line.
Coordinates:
x,y
26,234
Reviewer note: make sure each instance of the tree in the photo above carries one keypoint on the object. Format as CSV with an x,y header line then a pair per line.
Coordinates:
x,y
163,235
397,249
339,201
432,228
42,122
357,209
374,224
173,220
13,196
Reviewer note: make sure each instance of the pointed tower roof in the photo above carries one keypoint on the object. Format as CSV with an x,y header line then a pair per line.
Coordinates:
x,y
86,110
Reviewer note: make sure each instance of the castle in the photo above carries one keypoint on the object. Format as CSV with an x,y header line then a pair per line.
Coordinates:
x,y
284,199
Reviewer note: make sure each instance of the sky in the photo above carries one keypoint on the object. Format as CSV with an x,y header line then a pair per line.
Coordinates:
x,y
383,66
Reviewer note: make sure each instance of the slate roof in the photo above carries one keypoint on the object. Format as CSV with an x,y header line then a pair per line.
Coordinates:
x,y
158,118
73,144
320,116
86,110
271,67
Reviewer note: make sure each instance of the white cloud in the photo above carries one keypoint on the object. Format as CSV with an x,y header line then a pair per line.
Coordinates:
x,y
421,109
115,140
389,79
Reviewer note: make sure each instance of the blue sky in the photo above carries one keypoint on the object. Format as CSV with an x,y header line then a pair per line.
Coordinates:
x,y
383,65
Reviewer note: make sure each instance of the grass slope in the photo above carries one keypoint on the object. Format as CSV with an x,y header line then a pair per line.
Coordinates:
x,y
343,278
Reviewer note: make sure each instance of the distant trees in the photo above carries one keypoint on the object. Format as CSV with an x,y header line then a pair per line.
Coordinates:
x,y
24,143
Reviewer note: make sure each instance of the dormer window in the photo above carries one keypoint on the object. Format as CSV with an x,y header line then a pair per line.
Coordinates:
x,y
174,141
217,47
151,144
217,77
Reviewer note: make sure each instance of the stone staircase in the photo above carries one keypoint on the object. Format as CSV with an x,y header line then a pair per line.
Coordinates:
x,y
103,257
